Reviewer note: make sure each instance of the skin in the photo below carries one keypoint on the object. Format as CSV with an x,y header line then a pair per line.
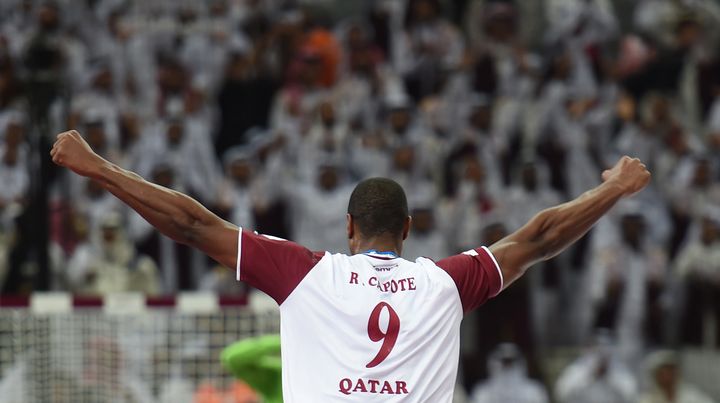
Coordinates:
x,y
186,221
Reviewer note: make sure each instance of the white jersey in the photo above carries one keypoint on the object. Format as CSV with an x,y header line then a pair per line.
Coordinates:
x,y
369,327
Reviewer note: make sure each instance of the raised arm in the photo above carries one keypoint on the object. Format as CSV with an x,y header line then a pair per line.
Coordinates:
x,y
174,214
552,230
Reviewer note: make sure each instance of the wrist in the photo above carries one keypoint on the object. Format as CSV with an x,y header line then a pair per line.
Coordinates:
x,y
100,170
616,187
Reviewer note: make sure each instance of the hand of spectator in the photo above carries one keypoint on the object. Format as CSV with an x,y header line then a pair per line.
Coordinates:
x,y
628,173
72,151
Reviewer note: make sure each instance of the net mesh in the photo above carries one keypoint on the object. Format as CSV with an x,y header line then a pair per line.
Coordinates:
x,y
89,356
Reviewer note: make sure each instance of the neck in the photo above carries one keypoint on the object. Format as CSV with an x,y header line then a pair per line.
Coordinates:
x,y
380,244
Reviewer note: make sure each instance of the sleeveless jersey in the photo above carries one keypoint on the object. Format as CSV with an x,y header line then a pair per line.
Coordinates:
x,y
370,327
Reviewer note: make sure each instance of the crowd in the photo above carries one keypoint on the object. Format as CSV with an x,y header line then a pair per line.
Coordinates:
x,y
486,111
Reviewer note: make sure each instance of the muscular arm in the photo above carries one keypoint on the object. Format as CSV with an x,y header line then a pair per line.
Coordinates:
x,y
172,213
552,230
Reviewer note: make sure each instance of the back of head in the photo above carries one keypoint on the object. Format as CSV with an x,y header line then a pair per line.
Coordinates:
x,y
378,207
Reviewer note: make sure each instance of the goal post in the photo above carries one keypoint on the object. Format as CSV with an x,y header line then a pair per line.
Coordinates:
x,y
120,348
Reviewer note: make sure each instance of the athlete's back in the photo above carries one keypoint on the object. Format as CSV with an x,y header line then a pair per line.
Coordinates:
x,y
367,327
377,217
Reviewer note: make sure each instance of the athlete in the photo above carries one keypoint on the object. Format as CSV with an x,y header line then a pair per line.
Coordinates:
x,y
256,361
369,326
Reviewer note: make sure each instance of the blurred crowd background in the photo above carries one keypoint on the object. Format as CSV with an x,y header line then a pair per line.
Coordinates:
x,y
486,111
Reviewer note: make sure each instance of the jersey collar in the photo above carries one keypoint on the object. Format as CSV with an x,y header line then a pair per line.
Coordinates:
x,y
380,255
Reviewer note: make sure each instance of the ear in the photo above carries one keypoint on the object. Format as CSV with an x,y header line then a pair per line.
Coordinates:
x,y
406,227
350,226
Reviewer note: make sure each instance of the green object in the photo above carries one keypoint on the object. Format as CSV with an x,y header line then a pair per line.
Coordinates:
x,y
256,361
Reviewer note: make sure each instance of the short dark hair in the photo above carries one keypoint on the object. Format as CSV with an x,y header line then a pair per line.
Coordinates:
x,y
378,206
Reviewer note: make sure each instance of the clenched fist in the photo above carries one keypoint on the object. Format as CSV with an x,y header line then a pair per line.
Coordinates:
x,y
72,151
630,174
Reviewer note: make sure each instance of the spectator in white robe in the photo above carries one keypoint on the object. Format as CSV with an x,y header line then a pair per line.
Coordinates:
x,y
319,210
295,103
364,78
570,126
406,170
236,188
514,65
634,136
481,133
327,139
130,52
370,154
258,184
427,46
675,165
18,23
403,127
94,202
474,205
553,92
530,193
14,174
98,102
428,235
599,375
700,257
111,264
274,162
110,38
13,130
695,186
188,149
581,27
592,20
698,268
626,279
508,380
657,18
666,382
207,42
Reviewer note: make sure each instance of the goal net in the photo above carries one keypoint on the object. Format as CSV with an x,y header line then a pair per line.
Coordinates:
x,y
158,351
